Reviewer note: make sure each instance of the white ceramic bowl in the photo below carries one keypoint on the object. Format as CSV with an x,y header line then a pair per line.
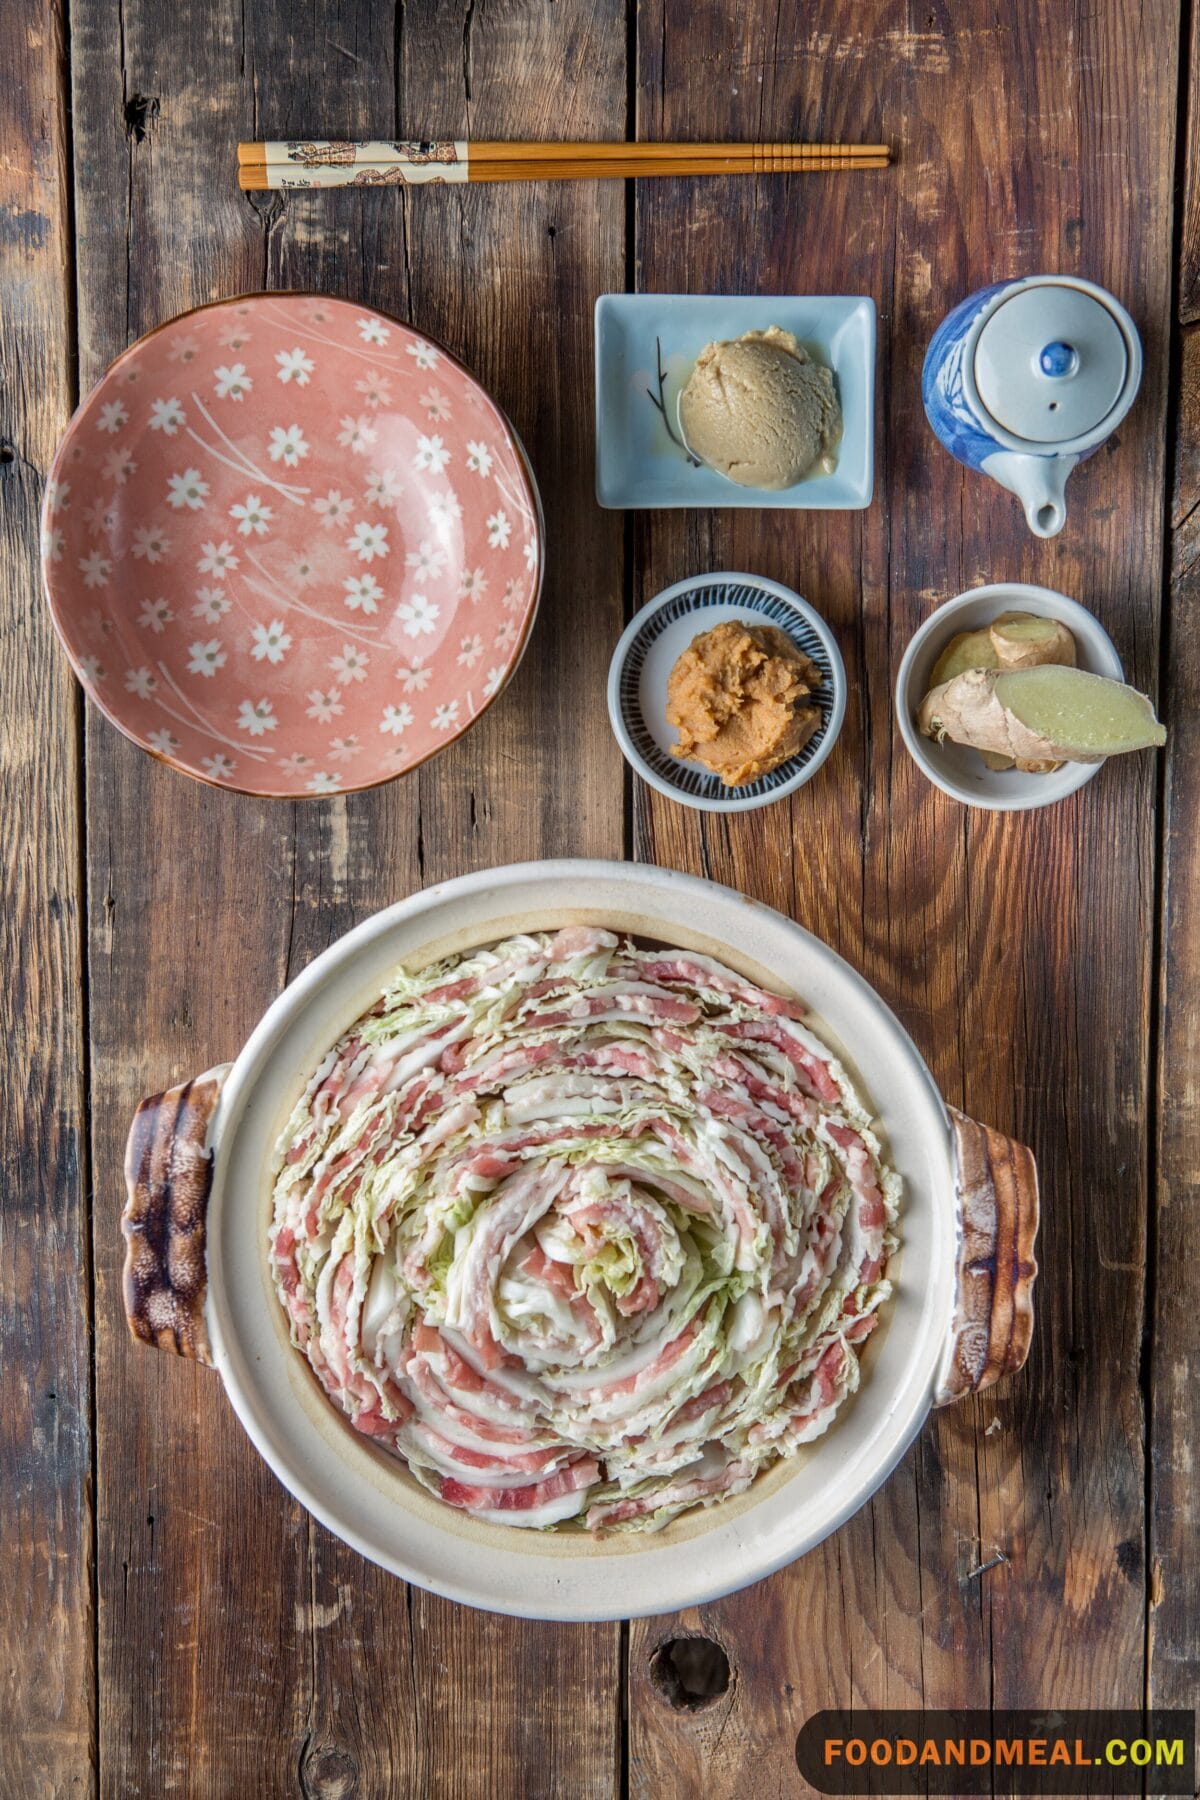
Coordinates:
x,y
647,651
958,770
200,1172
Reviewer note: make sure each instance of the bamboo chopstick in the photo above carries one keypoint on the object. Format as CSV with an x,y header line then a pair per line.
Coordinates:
x,y
300,163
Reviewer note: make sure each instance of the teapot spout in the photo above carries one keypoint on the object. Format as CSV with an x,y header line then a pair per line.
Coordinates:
x,y
1039,482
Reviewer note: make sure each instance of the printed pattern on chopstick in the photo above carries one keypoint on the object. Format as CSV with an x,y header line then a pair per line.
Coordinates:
x,y
336,163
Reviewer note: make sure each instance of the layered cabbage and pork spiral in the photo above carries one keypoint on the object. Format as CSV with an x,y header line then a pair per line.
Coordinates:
x,y
583,1230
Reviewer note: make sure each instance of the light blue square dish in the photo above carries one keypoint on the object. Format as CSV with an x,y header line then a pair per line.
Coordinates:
x,y
638,465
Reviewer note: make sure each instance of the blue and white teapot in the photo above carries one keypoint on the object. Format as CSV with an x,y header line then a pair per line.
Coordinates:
x,y
1024,379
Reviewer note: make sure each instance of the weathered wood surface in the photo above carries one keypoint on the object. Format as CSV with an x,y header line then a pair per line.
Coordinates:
x,y
242,1649
1189,197
1017,950
236,1647
1173,1645
47,1649
1174,1638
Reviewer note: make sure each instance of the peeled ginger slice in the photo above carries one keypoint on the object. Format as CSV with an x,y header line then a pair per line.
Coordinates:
x,y
969,650
1025,641
1047,714
1079,715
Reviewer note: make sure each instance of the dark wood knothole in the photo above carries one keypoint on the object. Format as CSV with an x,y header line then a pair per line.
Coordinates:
x,y
328,1772
142,111
690,1673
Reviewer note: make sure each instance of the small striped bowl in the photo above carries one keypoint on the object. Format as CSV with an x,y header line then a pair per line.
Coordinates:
x,y
646,654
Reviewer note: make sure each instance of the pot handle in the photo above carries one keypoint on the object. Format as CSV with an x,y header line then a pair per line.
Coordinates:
x,y
997,1192
168,1178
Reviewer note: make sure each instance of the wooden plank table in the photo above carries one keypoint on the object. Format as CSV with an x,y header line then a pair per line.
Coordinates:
x,y
171,1622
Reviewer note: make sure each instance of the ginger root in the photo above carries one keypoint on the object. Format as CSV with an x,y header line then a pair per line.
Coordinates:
x,y
1015,640
1047,714
968,650
1026,641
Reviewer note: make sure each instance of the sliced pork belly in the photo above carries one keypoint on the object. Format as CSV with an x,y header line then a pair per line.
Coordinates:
x,y
587,1233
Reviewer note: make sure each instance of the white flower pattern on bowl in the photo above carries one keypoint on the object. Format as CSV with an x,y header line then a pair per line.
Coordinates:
x,y
275,549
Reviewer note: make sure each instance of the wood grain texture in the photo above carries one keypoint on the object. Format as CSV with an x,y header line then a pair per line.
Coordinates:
x,y
983,932
236,1647
1189,198
47,1650
1174,1617
242,1648
190,915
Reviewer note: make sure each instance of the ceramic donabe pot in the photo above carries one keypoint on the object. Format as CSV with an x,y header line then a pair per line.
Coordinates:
x,y
200,1170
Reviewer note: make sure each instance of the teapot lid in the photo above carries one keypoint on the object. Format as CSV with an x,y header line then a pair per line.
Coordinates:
x,y
1050,363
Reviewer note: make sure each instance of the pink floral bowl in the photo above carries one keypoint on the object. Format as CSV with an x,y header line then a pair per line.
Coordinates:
x,y
291,546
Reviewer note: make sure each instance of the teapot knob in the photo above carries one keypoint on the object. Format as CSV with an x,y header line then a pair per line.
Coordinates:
x,y
1058,359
